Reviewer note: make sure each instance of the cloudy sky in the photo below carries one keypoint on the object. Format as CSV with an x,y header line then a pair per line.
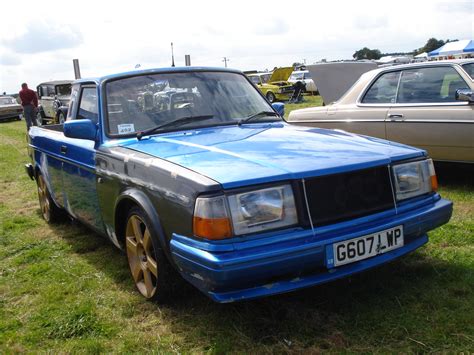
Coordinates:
x,y
39,39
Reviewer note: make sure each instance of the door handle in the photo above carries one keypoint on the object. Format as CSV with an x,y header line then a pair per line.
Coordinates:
x,y
64,149
395,116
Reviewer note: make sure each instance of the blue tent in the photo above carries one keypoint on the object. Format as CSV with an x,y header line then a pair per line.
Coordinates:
x,y
453,48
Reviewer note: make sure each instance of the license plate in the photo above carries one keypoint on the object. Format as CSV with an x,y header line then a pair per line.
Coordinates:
x,y
361,248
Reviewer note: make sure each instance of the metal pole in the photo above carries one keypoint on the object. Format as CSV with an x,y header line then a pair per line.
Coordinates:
x,y
187,60
225,60
172,55
77,70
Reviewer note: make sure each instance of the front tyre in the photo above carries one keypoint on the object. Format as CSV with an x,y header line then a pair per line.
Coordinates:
x,y
147,262
271,97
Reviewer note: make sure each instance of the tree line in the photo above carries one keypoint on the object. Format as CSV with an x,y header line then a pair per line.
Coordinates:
x,y
431,45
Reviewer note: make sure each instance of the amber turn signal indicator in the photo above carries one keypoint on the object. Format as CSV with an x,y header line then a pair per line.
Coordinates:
x,y
434,182
434,179
212,228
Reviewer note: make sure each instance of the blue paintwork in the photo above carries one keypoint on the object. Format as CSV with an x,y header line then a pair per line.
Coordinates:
x,y
81,129
229,275
235,156
270,151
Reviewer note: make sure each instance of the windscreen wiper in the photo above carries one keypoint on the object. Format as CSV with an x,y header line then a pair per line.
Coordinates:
x,y
255,115
176,123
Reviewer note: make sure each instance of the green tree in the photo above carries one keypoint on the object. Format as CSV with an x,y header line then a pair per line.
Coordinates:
x,y
431,45
367,53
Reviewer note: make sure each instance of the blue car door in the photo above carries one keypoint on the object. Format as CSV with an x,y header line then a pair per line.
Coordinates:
x,y
79,172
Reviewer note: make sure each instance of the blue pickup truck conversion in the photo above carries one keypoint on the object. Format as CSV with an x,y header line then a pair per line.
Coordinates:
x,y
192,172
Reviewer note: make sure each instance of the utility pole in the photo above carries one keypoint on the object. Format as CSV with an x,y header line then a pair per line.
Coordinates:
x,y
225,60
172,55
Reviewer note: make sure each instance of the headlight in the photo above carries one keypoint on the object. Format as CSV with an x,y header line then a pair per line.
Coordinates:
x,y
259,210
246,212
413,179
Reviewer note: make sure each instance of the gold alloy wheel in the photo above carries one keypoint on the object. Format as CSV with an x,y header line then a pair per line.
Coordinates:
x,y
43,198
141,256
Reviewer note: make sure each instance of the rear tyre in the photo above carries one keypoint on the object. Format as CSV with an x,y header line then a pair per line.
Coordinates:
x,y
39,118
271,97
50,212
148,265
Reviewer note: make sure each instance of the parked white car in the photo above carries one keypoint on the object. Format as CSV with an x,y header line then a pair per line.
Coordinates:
x,y
305,78
428,105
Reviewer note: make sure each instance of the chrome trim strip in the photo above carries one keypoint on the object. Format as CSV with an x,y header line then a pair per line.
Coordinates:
x,y
307,207
432,121
414,104
329,121
393,191
383,121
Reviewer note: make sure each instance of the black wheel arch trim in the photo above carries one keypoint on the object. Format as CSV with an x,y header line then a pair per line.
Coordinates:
x,y
139,198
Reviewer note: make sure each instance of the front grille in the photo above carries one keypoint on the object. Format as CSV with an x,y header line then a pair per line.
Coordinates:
x,y
340,197
287,89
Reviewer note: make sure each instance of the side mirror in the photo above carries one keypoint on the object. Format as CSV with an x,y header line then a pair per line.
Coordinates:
x,y
80,129
279,108
464,95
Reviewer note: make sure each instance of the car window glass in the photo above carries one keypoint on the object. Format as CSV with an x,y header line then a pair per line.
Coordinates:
x,y
383,90
63,90
51,91
44,90
88,105
469,68
265,78
73,103
426,85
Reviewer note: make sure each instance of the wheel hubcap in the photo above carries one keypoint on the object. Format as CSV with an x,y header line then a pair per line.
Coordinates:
x,y
43,198
141,256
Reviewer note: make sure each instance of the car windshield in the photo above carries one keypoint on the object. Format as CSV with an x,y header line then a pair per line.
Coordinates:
x,y
297,76
63,90
7,100
142,102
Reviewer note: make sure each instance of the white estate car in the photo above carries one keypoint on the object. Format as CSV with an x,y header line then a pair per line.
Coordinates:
x,y
305,78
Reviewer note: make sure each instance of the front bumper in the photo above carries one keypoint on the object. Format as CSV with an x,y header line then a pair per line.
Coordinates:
x,y
283,261
11,114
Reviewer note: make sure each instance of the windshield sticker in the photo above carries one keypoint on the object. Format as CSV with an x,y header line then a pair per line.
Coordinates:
x,y
126,128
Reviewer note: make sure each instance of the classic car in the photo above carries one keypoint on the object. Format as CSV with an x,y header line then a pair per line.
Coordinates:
x,y
217,188
274,86
10,108
304,77
53,101
429,105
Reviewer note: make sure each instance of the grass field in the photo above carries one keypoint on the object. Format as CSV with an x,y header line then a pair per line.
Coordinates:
x,y
66,289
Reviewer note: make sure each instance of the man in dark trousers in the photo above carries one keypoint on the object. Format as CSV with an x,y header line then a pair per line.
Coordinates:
x,y
29,101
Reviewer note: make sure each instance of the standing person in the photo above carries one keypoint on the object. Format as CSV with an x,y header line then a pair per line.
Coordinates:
x,y
29,101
